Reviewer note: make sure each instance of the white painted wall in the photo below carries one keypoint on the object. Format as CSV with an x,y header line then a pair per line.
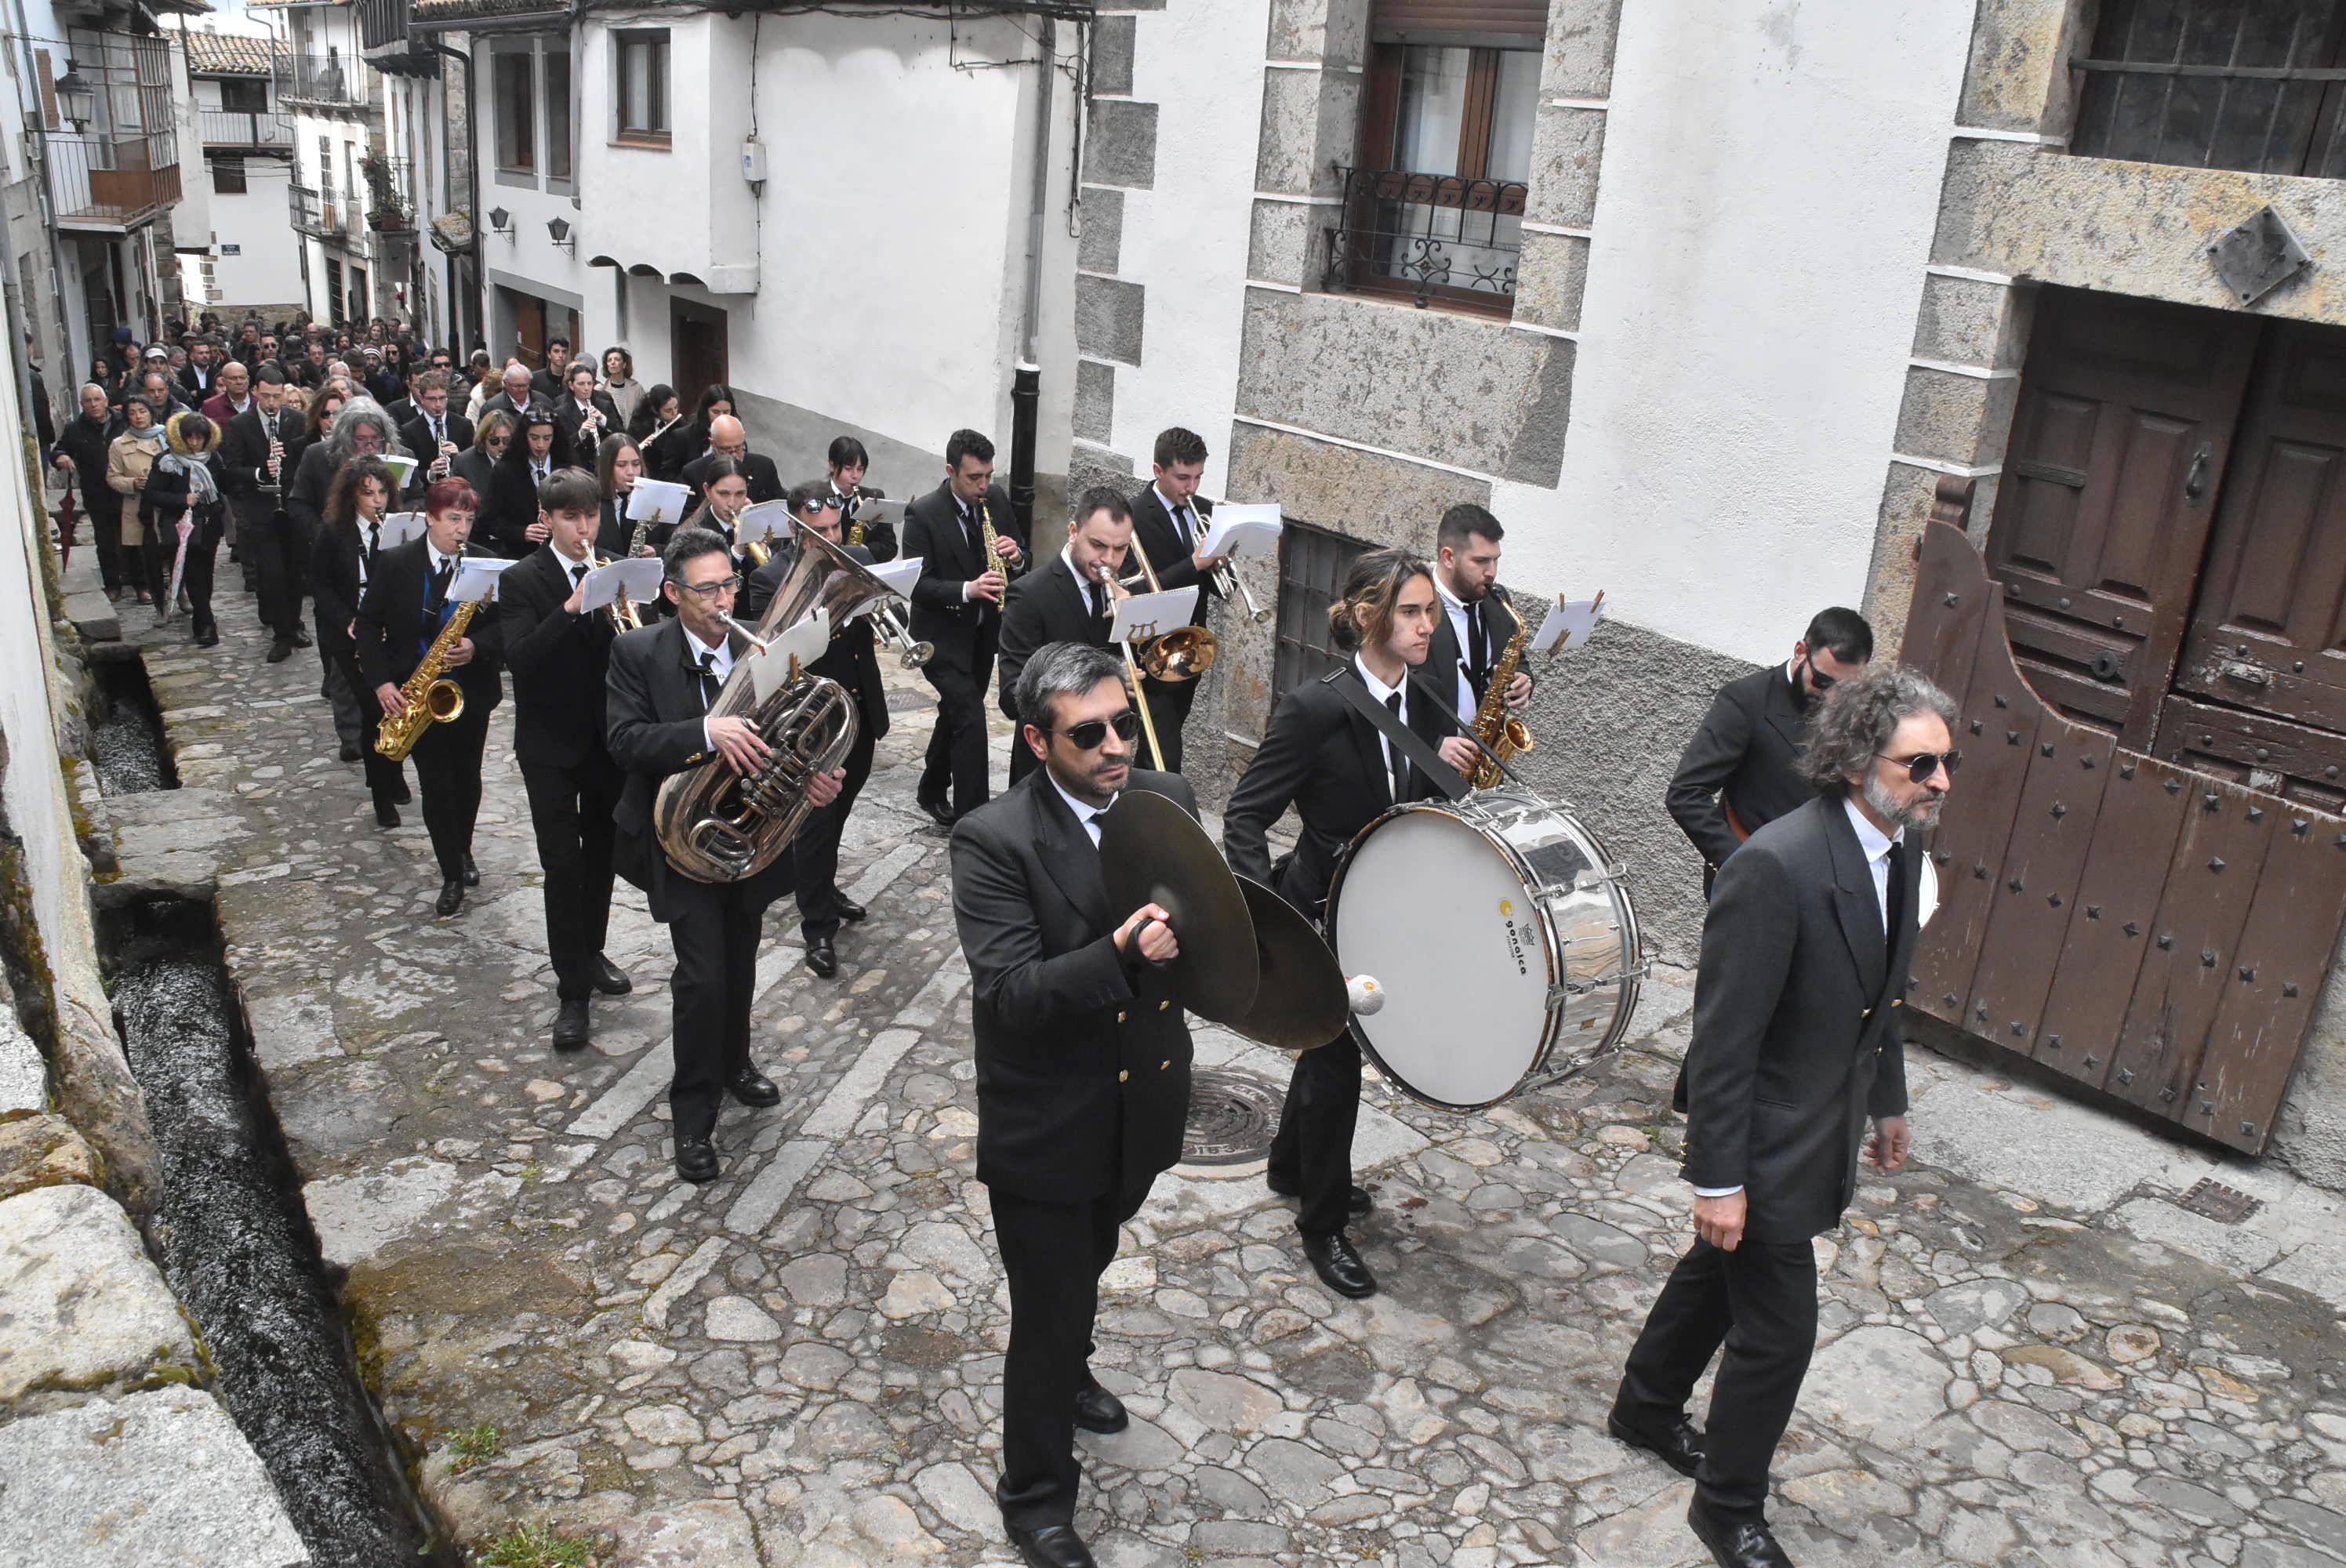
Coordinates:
x,y
1769,186
1186,240
267,268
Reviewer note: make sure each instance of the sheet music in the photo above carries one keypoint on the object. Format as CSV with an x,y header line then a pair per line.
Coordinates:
x,y
657,500
1569,624
476,578
873,509
639,578
900,574
1145,615
1242,530
403,470
402,528
766,520
769,670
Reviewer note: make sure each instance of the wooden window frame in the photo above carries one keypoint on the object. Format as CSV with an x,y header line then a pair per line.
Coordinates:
x,y
512,116
559,119
238,176
2108,77
623,41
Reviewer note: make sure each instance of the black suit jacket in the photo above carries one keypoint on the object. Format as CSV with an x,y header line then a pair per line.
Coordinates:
x,y
569,422
949,559
878,535
509,507
305,494
765,484
1045,606
1747,755
665,455
1443,655
1083,1055
244,460
395,624
473,467
1797,1007
1155,531
334,586
417,433
1326,760
558,660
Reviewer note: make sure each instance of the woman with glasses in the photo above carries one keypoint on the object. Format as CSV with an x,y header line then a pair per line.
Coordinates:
x,y
477,464
1339,770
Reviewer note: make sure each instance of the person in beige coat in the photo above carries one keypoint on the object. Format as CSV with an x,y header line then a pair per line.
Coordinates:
x,y
127,462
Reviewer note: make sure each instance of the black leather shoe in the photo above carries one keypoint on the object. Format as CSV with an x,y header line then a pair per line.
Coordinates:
x,y
452,897
350,753
820,957
695,1159
570,1025
1679,1445
279,651
207,634
1051,1546
610,979
301,638
1097,1411
404,796
849,910
472,871
1735,1543
752,1087
1340,1266
943,816
1359,1204
386,815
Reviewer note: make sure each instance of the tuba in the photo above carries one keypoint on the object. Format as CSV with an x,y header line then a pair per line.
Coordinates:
x,y
719,826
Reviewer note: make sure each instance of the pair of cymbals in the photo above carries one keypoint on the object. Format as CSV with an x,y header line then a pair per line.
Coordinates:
x,y
1248,960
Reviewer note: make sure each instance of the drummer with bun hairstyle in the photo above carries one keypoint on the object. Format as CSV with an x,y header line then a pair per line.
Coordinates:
x,y
1325,758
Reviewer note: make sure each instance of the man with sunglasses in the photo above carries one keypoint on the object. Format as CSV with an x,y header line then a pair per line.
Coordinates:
x,y
1743,768
663,680
1796,1044
1083,1066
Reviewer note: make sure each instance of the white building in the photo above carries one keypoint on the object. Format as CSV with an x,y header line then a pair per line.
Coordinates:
x,y
254,259
337,196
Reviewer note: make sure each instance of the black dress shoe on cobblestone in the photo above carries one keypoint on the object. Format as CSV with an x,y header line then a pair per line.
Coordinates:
x,y
279,651
943,816
1097,1411
695,1159
1679,1445
1340,1266
472,871
350,753
752,1087
610,979
386,814
1052,1546
821,957
570,1025
452,897
302,638
405,796
849,910
1735,1543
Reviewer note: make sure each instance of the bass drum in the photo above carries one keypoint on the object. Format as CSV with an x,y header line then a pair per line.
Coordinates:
x,y
1502,939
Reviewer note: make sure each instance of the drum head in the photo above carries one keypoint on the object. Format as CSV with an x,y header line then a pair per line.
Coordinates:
x,y
1432,908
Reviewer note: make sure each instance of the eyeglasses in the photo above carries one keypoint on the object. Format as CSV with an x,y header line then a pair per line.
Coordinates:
x,y
1922,764
723,585
1091,733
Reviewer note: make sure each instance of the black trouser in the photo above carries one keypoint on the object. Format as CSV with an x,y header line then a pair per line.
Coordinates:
x,y
383,775
715,930
161,548
1053,1254
570,811
956,754
280,549
815,851
1759,1301
1168,710
118,564
1312,1153
448,778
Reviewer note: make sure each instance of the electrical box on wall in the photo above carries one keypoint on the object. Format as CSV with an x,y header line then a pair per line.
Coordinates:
x,y
753,161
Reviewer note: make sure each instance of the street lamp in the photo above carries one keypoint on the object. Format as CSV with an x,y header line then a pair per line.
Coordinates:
x,y
501,222
76,99
558,229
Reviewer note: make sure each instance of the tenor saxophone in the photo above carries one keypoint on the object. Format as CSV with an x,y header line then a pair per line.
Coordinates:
x,y
1504,733
431,696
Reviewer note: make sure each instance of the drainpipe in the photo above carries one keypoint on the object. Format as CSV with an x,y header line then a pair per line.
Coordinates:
x,y
1025,388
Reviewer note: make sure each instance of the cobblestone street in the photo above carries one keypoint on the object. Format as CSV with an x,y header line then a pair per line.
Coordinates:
x,y
2031,1355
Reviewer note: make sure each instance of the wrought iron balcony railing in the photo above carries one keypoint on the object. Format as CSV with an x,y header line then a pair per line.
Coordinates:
x,y
236,128
112,181
325,215
330,78
1438,238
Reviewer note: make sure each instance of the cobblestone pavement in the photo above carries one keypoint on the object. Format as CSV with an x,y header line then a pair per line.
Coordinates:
x,y
2030,1356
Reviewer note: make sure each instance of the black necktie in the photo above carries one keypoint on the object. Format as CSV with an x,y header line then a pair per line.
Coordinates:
x,y
1478,653
969,531
443,576
577,573
1188,522
708,681
1896,905
1394,760
1099,596
374,541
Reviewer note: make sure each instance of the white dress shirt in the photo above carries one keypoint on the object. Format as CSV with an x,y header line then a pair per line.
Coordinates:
x,y
1182,529
1379,690
719,668
1088,814
1462,617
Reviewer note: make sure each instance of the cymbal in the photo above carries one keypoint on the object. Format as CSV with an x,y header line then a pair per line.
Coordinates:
x,y
1301,1002
1152,851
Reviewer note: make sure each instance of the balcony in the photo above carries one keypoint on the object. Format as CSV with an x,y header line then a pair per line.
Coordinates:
x,y
328,80
237,129
321,215
112,184
1438,239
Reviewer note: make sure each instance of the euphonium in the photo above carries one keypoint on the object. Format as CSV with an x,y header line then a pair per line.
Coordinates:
x,y
430,697
1503,732
1184,653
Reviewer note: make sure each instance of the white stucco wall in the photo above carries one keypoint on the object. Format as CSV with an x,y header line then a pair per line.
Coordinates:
x,y
1769,184
1185,241
267,268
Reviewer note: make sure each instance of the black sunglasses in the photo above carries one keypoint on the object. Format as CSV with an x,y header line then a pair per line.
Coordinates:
x,y
1091,733
1922,764
1818,679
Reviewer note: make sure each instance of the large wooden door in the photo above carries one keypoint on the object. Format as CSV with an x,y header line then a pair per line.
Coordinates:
x,y
2119,440
697,349
2262,686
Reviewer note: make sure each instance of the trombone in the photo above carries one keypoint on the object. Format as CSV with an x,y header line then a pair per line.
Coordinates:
x,y
1184,653
1116,592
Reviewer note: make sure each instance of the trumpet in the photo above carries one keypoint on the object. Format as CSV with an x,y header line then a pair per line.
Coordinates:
x,y
1225,577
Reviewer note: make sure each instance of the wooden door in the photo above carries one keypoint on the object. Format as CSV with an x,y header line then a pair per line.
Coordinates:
x,y
696,349
2120,441
2262,686
529,329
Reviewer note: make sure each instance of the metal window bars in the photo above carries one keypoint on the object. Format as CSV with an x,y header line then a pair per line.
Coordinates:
x,y
1442,237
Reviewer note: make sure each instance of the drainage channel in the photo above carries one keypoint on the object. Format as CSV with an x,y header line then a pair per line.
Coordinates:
x,y
238,1246
126,735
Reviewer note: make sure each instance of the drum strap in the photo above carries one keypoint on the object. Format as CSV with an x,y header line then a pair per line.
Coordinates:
x,y
1422,756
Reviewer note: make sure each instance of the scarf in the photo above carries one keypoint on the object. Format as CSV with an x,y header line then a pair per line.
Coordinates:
x,y
196,468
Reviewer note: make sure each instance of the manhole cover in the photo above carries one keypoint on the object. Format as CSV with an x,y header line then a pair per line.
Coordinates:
x,y
1232,1116
2224,1205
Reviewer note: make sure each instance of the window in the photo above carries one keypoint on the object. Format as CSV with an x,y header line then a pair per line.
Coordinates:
x,y
557,113
244,95
228,177
640,90
516,77
2217,86
328,214
1312,567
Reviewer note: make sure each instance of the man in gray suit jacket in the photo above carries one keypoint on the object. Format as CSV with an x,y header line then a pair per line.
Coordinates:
x,y
1796,1044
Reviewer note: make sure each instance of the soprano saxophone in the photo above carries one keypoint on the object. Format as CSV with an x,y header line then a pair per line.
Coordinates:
x,y
1503,732
430,697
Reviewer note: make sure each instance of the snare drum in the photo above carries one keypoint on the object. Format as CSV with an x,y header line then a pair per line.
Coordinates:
x,y
1502,939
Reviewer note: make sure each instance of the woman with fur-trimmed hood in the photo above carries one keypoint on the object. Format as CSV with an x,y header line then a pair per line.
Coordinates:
x,y
181,502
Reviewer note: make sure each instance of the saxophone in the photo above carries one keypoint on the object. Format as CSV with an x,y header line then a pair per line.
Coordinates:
x,y
855,511
994,561
431,698
1504,733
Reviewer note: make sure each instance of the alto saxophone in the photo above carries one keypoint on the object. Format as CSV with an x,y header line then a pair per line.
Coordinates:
x,y
855,511
430,697
1501,731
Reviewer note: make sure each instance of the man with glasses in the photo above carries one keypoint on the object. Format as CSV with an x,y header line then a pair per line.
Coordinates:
x,y
1743,768
1083,1066
1797,1043
664,679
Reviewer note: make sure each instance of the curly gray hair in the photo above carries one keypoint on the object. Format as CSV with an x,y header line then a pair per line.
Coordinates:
x,y
1859,716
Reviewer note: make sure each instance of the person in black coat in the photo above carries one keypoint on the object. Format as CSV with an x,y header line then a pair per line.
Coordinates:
x,y
256,461
1338,772
852,661
510,524
81,451
728,439
477,464
1083,1066
618,463
546,385
1743,768
1796,1043
338,565
663,434
848,463
1170,525
1064,600
184,486
433,428
404,610
663,679
1478,620
957,607
583,417
559,654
